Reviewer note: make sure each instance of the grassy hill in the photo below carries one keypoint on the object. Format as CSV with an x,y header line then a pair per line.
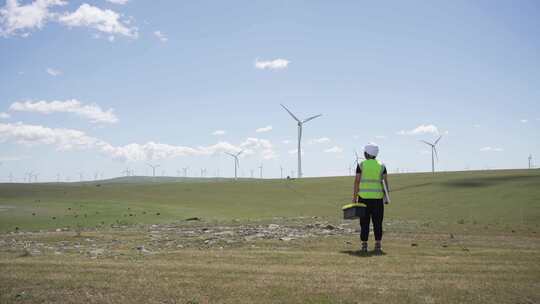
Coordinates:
x,y
497,199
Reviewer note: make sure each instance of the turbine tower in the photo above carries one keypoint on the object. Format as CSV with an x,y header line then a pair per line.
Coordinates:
x,y
154,167
281,172
300,123
530,161
236,162
185,171
260,170
433,151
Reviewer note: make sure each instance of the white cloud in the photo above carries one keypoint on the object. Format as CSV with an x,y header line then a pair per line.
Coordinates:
x,y
68,139
4,115
53,72
92,112
286,141
320,140
524,120
121,2
252,144
264,129
63,139
276,64
219,132
161,36
334,149
421,129
491,149
380,137
103,20
19,20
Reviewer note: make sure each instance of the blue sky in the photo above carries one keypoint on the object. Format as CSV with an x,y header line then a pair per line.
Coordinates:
x,y
100,86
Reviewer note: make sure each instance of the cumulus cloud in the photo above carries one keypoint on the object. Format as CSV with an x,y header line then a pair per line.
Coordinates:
x,y
219,132
264,129
121,2
103,20
20,20
68,139
252,144
320,140
4,115
54,72
92,112
421,129
276,64
334,149
161,36
491,149
63,139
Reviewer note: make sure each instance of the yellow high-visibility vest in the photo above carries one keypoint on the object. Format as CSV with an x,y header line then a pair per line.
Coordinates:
x,y
371,182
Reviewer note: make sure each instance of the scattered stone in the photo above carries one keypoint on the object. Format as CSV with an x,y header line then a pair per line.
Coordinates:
x,y
58,230
158,213
414,245
286,239
273,226
329,227
193,219
465,249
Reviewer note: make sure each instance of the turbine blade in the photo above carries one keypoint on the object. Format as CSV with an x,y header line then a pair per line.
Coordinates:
x,y
229,154
437,140
311,118
295,118
238,154
436,154
426,142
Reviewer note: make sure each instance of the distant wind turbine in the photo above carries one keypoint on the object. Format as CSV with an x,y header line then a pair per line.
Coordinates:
x,y
260,170
236,162
154,167
530,161
433,152
300,123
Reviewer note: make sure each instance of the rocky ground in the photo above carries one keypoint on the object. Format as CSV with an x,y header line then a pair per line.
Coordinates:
x,y
150,239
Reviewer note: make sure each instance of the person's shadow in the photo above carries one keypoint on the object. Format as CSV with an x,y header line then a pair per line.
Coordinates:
x,y
358,253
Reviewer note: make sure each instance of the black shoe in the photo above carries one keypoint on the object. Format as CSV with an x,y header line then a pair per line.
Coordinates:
x,y
378,250
363,248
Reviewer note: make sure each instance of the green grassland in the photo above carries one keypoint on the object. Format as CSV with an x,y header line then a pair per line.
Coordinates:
x,y
455,237
497,198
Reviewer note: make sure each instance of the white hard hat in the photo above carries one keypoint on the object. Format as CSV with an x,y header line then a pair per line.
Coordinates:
x,y
372,149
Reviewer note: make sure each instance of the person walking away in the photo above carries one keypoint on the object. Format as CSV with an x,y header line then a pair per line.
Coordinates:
x,y
369,189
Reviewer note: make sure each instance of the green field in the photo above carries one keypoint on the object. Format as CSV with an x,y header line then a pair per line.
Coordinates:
x,y
456,237
497,198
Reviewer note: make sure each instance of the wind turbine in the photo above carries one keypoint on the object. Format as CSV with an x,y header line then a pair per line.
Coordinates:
x,y
236,162
260,170
281,172
433,151
154,167
530,161
300,123
185,171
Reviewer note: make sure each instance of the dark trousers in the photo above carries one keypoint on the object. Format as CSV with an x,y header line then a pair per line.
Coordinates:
x,y
375,213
